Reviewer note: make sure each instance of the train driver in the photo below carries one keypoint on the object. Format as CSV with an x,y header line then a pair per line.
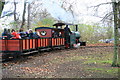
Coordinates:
x,y
67,34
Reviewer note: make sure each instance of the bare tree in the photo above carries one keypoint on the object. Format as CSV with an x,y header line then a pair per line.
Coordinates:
x,y
119,16
23,16
15,19
38,12
69,7
28,24
116,24
119,33
1,6
114,13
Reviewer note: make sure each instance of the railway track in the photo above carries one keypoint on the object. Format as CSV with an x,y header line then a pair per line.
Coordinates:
x,y
97,45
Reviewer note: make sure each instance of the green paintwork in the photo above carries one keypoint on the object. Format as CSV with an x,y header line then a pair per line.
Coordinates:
x,y
77,34
72,39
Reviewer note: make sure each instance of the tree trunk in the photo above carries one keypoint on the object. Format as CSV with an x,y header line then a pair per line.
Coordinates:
x,y
28,24
115,58
15,19
1,7
119,16
23,16
119,33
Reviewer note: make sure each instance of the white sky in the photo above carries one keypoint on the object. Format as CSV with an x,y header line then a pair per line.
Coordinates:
x,y
83,14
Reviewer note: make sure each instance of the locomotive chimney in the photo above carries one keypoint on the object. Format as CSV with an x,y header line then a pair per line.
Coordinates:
x,y
76,27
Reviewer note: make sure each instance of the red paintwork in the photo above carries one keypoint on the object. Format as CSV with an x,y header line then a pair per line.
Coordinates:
x,y
31,43
27,44
2,45
39,42
10,45
24,47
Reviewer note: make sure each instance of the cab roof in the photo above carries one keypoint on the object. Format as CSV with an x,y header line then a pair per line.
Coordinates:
x,y
61,24
46,28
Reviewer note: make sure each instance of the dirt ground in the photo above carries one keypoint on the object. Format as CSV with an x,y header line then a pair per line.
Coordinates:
x,y
83,62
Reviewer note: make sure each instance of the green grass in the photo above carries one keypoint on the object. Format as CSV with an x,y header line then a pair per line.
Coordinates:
x,y
105,62
103,70
87,59
98,61
94,69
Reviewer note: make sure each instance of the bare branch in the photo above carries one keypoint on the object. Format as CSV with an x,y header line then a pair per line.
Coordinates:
x,y
100,4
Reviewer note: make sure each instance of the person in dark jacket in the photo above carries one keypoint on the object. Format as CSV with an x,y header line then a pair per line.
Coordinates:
x,y
6,34
31,34
67,34
22,34
36,34
9,34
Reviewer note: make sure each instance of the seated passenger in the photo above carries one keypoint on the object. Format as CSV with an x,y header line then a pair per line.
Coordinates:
x,y
26,34
15,34
60,34
30,34
36,34
9,34
6,34
23,35
53,33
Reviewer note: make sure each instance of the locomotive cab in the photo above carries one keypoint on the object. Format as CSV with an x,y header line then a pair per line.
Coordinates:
x,y
74,36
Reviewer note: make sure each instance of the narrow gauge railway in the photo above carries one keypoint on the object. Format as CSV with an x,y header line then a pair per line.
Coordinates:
x,y
50,38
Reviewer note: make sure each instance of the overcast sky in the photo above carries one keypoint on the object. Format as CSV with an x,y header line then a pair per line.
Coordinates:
x,y
81,10
83,14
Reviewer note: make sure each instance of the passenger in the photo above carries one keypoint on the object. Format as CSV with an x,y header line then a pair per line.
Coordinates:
x,y
56,34
30,34
9,34
9,31
36,34
22,34
53,33
5,34
15,34
27,34
60,34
